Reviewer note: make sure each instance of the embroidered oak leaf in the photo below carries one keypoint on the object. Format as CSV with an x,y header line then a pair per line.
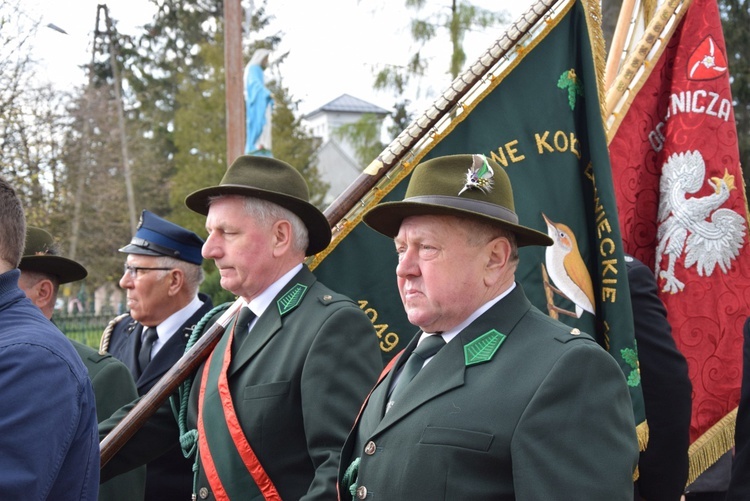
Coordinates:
x,y
569,81
483,348
630,356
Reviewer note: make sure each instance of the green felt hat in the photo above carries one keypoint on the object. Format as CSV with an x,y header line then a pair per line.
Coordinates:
x,y
40,255
458,185
273,180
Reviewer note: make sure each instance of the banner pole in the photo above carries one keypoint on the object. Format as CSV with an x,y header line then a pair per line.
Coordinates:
x,y
420,127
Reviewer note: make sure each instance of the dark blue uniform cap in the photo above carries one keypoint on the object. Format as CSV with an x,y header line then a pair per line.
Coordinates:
x,y
158,237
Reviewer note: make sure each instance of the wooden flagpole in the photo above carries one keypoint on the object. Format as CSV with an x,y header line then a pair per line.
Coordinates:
x,y
398,149
637,67
234,100
623,32
167,385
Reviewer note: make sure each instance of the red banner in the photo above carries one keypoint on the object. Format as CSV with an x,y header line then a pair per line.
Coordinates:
x,y
682,207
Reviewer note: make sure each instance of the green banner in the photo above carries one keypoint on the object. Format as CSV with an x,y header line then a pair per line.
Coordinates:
x,y
541,121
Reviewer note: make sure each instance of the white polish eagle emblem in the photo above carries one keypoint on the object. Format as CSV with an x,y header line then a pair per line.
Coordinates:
x,y
708,234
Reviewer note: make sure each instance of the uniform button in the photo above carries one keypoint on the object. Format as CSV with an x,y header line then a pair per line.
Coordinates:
x,y
575,332
203,493
361,492
370,448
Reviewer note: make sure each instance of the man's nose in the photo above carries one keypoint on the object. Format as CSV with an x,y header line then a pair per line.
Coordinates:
x,y
407,264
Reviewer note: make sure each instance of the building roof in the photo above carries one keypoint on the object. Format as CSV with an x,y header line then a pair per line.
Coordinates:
x,y
349,104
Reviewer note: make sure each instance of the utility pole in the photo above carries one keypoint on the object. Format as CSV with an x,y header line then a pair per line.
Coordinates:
x,y
85,162
234,100
101,38
117,85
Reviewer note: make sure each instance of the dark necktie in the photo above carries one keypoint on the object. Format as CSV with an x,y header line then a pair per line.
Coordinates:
x,y
144,356
241,327
369,420
426,349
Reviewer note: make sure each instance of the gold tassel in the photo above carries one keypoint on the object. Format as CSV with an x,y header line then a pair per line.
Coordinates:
x,y
642,432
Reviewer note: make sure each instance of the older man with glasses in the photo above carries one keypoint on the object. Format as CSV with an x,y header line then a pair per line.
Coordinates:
x,y
161,276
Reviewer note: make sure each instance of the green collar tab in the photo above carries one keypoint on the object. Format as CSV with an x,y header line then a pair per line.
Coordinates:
x,y
291,299
483,348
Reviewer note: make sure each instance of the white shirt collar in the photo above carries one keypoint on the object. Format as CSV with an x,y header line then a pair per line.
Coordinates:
x,y
260,303
170,326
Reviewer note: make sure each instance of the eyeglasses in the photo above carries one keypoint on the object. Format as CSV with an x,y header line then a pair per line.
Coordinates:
x,y
133,270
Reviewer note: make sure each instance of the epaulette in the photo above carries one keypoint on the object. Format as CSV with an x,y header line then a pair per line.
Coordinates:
x,y
333,298
97,357
573,334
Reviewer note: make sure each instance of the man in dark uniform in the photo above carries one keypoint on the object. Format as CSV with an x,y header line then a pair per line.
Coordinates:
x,y
275,400
162,276
43,270
508,403
667,391
739,485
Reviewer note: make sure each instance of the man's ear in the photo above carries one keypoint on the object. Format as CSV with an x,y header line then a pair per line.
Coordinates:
x,y
281,232
45,293
498,257
176,281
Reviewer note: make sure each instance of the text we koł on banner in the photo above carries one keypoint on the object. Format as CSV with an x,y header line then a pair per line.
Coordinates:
x,y
541,120
682,208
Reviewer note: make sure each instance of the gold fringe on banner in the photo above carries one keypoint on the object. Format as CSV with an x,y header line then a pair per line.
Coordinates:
x,y
710,446
598,48
642,431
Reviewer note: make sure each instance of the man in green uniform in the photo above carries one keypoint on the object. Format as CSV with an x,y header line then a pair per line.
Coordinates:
x,y
275,400
509,403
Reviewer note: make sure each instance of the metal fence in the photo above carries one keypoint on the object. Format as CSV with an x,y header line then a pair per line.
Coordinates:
x,y
85,328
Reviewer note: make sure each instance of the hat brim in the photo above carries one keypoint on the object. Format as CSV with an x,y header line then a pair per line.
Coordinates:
x,y
386,218
66,270
318,228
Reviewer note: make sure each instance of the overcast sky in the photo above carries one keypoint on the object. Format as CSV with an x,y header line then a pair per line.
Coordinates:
x,y
332,51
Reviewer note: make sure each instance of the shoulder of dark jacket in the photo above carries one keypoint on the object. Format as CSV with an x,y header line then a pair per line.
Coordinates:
x,y
561,331
329,298
90,353
326,296
124,322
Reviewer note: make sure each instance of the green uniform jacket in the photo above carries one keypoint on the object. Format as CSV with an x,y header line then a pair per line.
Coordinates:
x,y
547,417
113,387
297,383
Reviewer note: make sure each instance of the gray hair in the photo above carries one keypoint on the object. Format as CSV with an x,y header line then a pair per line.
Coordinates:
x,y
481,232
12,225
193,272
267,213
